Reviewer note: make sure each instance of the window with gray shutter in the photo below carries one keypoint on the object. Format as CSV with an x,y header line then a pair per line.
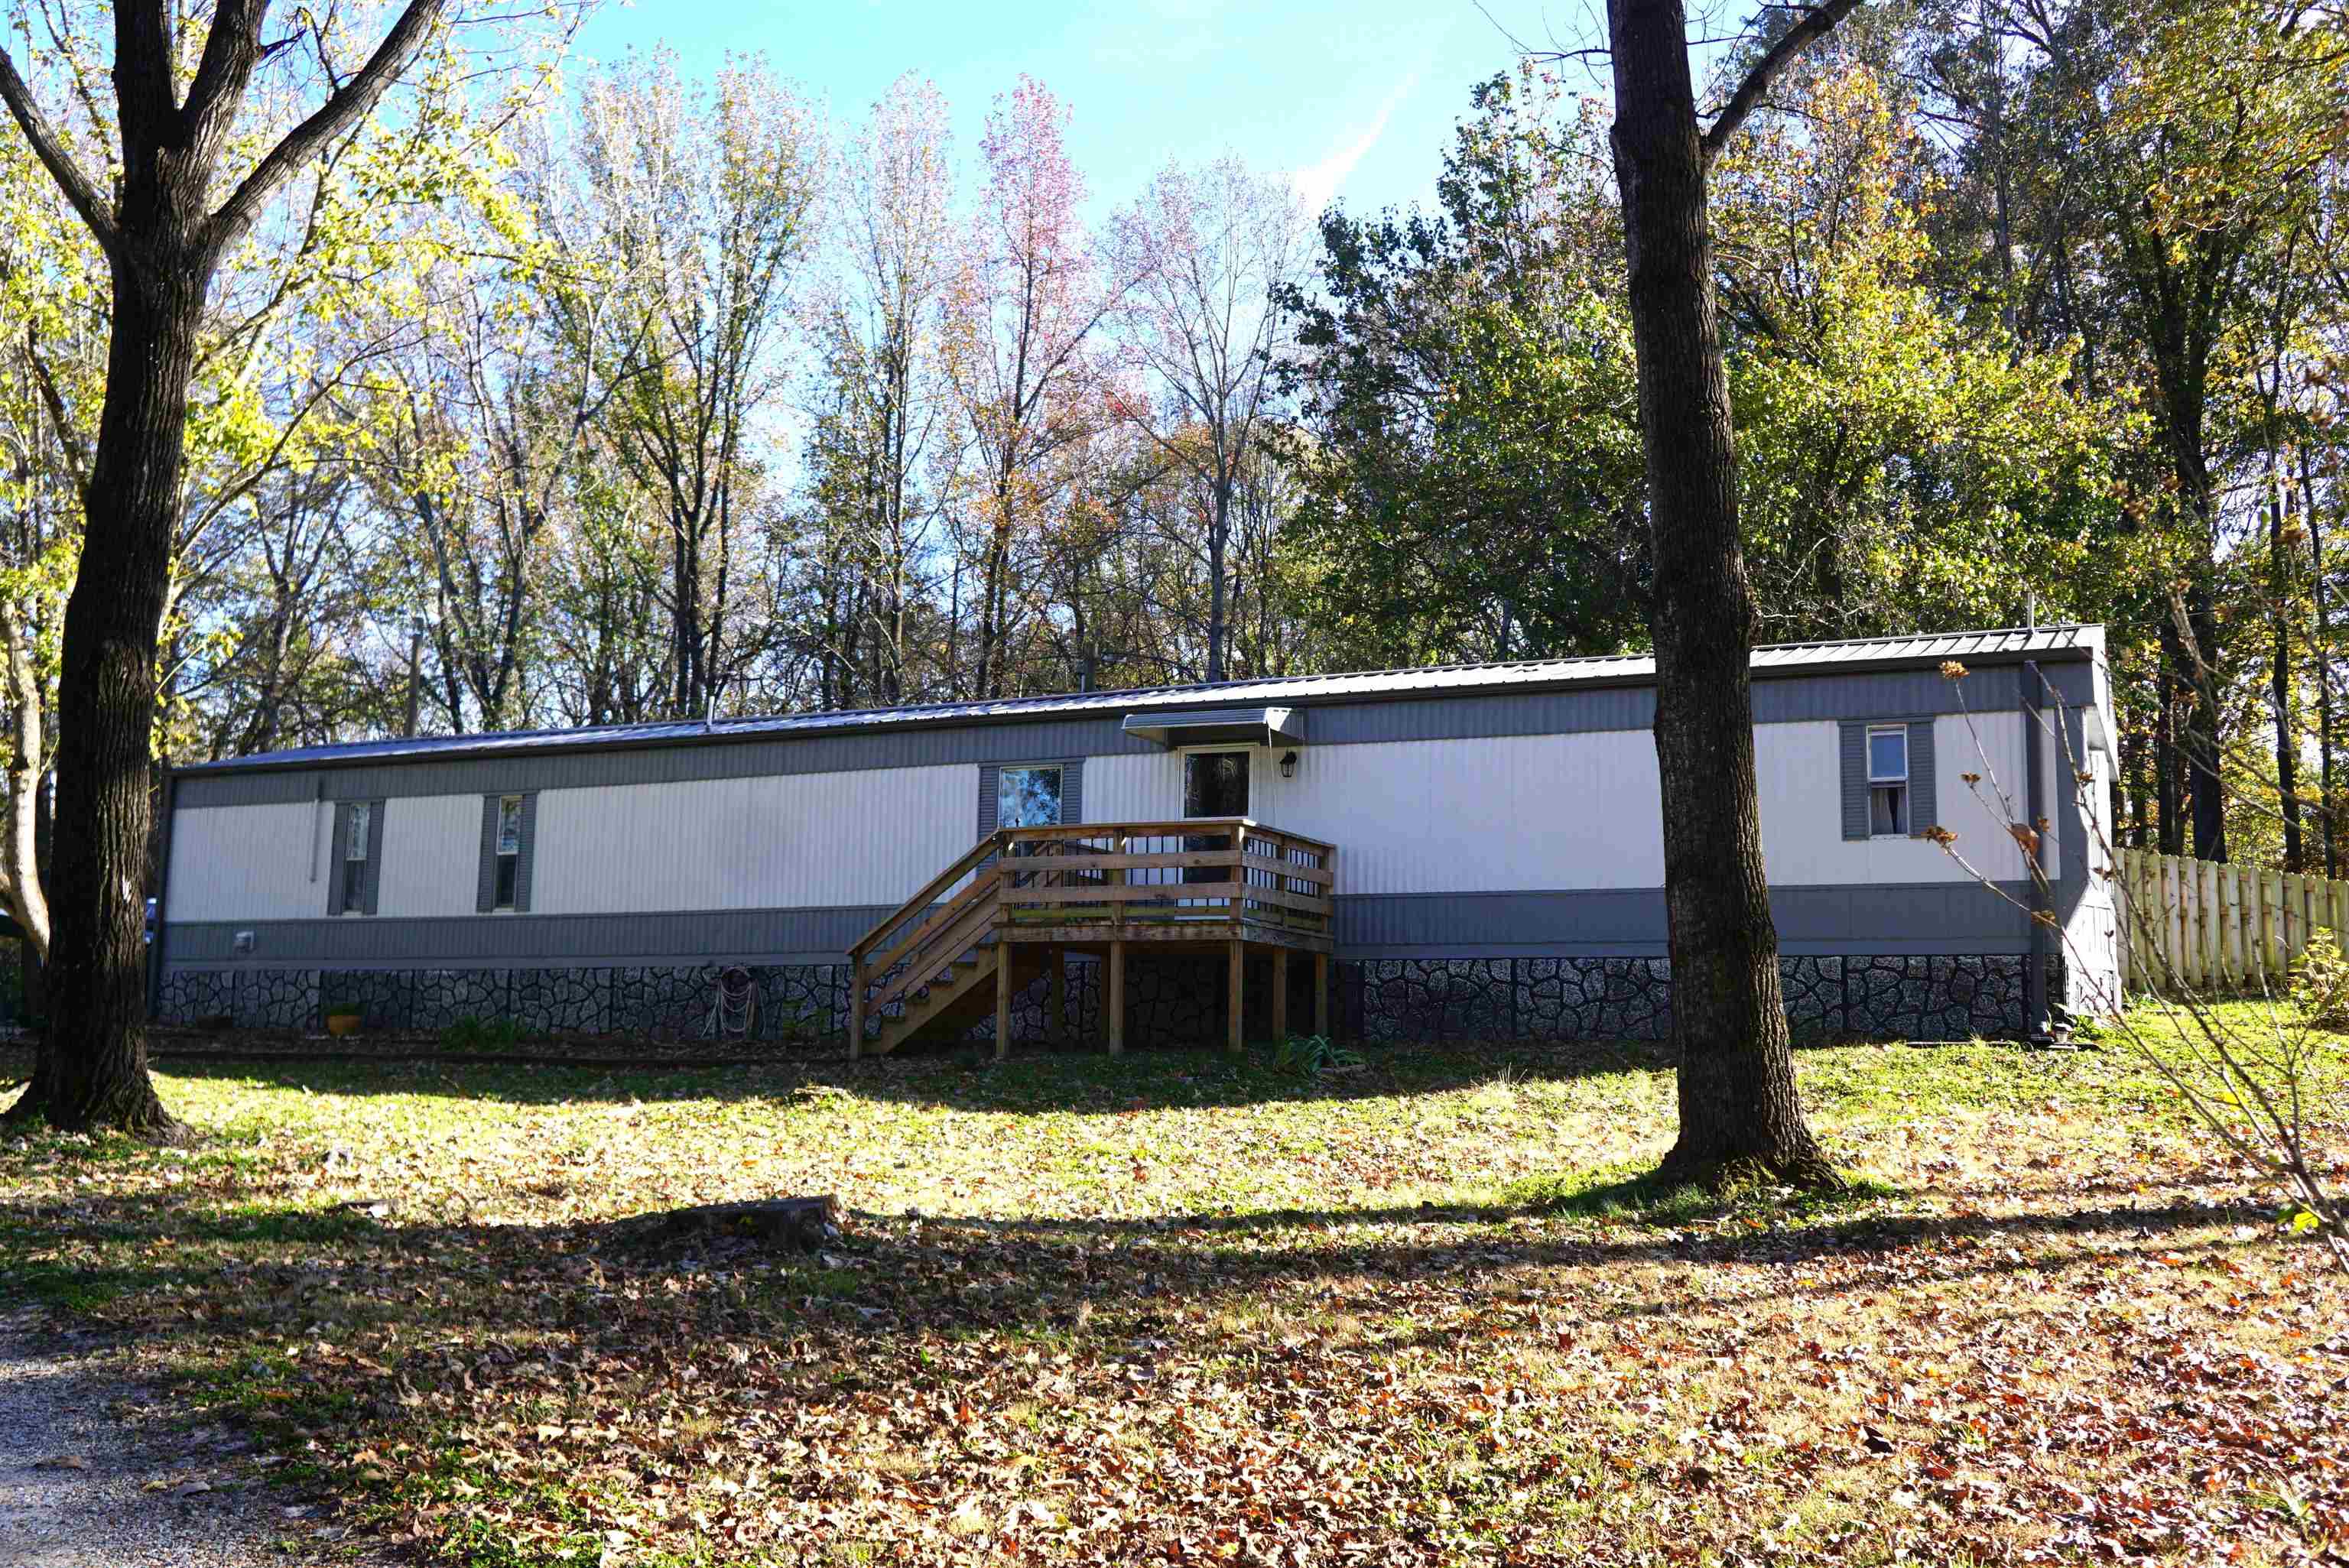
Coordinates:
x,y
1888,782
356,872
1030,794
509,825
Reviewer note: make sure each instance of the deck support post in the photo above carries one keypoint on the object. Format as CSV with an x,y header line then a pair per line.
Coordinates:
x,y
1280,994
855,1008
1322,994
1056,994
1113,1002
1235,1036
1002,996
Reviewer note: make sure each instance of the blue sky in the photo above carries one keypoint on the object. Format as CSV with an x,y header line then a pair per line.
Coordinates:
x,y
1356,101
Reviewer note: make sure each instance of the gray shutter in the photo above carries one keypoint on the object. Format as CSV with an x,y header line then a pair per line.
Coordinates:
x,y
1854,780
988,773
377,810
338,865
1072,790
485,897
528,852
1924,801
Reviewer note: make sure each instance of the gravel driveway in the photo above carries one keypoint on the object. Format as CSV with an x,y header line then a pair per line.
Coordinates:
x,y
81,1486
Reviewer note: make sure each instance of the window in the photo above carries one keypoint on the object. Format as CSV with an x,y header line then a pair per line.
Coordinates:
x,y
355,857
509,834
509,850
1215,784
1888,780
1027,797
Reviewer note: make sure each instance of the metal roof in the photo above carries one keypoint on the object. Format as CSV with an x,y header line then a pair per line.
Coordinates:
x,y
2001,646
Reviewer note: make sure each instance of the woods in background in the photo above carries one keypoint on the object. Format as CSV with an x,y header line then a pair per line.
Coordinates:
x,y
638,397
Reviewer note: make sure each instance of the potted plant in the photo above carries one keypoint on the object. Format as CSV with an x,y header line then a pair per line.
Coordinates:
x,y
343,1021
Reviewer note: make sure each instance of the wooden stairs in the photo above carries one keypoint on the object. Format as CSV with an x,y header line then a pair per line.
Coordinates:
x,y
1011,908
929,970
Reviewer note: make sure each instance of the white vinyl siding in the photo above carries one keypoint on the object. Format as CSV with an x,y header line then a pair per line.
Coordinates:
x,y
804,841
248,863
430,847
1441,816
1797,767
1570,812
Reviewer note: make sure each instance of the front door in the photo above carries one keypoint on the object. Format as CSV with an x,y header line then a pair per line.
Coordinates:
x,y
1215,784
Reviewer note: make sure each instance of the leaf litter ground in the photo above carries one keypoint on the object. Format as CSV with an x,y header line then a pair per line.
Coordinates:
x,y
1181,1308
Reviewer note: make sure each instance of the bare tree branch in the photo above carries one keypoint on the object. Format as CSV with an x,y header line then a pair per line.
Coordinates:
x,y
46,147
343,109
1819,20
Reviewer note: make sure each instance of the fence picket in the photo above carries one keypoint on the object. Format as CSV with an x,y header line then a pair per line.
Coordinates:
x,y
2221,926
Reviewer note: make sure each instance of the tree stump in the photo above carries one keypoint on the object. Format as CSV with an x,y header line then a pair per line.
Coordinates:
x,y
800,1222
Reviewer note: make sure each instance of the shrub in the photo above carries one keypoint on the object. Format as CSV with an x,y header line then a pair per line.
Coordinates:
x,y
1311,1055
2320,984
481,1035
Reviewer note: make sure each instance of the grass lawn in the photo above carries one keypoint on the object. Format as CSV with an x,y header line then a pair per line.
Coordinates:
x,y
1177,1308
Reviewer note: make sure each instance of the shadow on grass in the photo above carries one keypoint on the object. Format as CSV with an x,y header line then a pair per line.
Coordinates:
x,y
1070,1080
158,1256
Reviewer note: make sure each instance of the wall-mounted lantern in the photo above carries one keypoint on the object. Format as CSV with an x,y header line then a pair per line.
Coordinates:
x,y
1289,765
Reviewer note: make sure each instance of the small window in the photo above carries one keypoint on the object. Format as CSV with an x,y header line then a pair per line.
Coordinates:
x,y
1888,780
354,858
1027,797
509,872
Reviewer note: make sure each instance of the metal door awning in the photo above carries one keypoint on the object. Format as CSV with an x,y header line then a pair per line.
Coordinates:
x,y
1219,727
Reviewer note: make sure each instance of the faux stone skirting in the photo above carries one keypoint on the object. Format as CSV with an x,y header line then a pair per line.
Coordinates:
x,y
1176,1000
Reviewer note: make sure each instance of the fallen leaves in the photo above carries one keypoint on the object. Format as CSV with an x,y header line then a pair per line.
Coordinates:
x,y
1163,1310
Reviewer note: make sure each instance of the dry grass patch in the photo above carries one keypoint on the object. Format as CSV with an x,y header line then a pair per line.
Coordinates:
x,y
1173,1308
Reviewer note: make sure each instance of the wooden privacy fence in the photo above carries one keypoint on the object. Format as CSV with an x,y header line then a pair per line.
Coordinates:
x,y
2219,927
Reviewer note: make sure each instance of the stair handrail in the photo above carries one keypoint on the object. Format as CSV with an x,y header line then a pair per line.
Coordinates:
x,y
978,853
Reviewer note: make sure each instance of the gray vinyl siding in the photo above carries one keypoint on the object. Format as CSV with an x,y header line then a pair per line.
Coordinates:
x,y
504,940
1892,918
576,764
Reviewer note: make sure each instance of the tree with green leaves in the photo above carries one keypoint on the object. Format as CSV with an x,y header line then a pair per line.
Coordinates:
x,y
188,186
1464,386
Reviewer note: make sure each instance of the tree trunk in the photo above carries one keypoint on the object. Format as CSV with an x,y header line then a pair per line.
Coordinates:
x,y
2287,745
1219,529
2169,755
1738,1106
2202,717
95,1061
2321,651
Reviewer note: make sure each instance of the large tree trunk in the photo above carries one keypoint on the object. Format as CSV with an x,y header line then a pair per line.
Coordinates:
x,y
1738,1106
93,1070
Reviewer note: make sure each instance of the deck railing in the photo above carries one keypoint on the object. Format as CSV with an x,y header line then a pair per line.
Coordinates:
x,y
1172,877
1225,880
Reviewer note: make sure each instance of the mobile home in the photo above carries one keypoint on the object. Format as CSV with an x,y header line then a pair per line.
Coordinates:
x,y
1451,852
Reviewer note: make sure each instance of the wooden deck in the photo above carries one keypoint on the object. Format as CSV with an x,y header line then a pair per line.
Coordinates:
x,y
1023,898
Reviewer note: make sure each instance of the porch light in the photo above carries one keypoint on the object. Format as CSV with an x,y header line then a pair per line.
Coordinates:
x,y
1289,765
